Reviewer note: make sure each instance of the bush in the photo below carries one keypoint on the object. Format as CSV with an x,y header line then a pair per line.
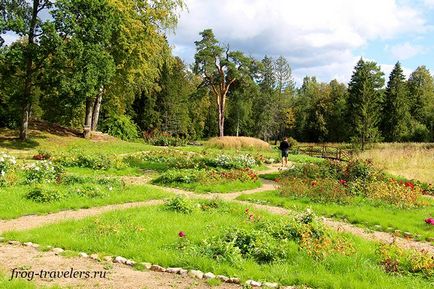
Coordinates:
x,y
43,171
232,142
91,192
158,138
228,162
42,195
92,161
402,195
179,204
120,126
321,190
7,164
180,176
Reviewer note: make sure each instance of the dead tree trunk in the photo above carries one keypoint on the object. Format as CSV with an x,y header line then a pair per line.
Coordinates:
x,y
96,110
88,118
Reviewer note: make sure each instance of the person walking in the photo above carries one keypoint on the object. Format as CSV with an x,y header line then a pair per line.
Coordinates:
x,y
284,147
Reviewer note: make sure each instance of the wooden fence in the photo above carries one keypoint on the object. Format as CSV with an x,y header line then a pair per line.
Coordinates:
x,y
327,152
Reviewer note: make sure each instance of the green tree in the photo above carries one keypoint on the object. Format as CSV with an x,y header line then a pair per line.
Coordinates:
x,y
365,98
337,125
24,18
421,91
283,75
220,68
396,113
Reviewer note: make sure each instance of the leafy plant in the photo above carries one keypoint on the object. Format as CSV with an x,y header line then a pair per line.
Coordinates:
x,y
179,204
43,195
7,164
42,171
120,126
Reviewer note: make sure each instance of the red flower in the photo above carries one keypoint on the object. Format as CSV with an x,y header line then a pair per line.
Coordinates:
x,y
430,221
181,234
246,210
343,182
409,185
314,183
251,217
277,180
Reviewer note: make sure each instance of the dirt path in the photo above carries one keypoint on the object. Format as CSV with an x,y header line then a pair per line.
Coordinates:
x,y
118,276
33,221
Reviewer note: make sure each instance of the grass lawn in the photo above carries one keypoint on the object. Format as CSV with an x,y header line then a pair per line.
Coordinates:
x,y
224,187
151,234
14,203
360,213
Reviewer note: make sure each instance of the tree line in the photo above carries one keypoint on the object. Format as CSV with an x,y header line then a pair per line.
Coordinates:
x,y
107,65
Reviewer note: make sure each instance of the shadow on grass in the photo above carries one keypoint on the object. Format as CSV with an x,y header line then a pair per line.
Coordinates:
x,y
10,140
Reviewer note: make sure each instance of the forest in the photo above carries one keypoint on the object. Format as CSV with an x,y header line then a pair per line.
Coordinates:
x,y
107,65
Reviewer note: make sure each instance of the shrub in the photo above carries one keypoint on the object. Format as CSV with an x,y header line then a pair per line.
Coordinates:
x,y
321,190
42,155
120,126
158,138
180,176
43,195
402,195
396,260
232,142
92,161
228,162
7,164
179,204
43,171
91,192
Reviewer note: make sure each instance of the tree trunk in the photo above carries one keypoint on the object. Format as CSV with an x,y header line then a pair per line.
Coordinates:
x,y
96,110
27,100
88,118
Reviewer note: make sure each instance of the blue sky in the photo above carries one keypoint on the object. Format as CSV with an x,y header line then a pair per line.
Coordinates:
x,y
319,38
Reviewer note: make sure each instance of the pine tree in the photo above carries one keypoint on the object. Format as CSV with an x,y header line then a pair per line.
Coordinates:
x,y
396,114
365,98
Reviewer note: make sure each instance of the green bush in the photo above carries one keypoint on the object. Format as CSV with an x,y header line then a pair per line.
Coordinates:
x,y
43,172
120,126
91,161
179,204
43,195
91,192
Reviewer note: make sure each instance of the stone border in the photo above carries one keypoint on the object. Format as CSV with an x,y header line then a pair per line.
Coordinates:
x,y
154,267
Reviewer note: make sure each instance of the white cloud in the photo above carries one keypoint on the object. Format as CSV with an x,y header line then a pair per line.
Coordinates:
x,y
317,37
429,3
405,50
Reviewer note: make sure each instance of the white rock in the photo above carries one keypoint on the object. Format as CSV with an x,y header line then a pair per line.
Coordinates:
x,y
83,255
270,285
57,251
28,244
36,246
120,260
94,256
196,274
158,268
209,275
234,280
223,278
173,270
253,283
130,263
147,265
14,242
183,272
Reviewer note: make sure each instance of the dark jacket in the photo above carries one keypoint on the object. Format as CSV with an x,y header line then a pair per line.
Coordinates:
x,y
284,146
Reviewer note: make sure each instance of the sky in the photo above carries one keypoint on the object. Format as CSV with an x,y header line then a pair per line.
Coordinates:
x,y
319,38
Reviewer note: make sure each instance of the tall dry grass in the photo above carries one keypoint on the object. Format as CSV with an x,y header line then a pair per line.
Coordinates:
x,y
233,142
410,160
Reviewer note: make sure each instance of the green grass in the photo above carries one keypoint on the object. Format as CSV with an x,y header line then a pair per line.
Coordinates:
x,y
151,234
359,213
224,187
14,204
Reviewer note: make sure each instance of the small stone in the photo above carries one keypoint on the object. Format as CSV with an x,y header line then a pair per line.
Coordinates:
x,y
147,265
253,283
173,270
270,285
378,228
36,246
157,268
14,243
209,275
390,229
94,256
130,263
234,280
57,251
183,272
397,232
223,278
430,239
196,274
408,235
108,258
28,244
120,260
83,255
